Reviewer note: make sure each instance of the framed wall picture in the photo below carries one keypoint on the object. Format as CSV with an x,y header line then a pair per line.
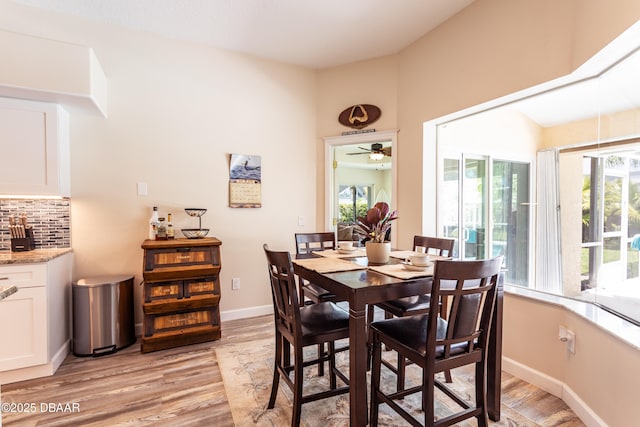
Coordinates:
x,y
245,181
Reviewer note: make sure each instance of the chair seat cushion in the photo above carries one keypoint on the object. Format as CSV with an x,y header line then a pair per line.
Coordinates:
x,y
418,303
323,318
411,332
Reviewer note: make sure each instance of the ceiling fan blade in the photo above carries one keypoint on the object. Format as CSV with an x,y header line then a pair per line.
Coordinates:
x,y
351,154
386,151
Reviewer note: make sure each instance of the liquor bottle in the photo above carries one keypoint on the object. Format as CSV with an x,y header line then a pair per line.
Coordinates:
x,y
162,230
171,233
153,224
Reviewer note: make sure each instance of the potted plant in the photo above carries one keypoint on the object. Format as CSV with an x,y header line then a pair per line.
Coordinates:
x,y
375,226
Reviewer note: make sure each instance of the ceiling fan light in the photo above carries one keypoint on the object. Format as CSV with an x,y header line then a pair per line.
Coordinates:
x,y
376,155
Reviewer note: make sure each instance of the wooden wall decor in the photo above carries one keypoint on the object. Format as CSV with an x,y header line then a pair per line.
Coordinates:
x,y
359,116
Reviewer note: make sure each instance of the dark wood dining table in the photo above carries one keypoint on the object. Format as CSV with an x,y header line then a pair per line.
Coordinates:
x,y
365,286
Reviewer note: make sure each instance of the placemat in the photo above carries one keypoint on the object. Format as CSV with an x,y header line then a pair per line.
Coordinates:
x,y
332,253
398,271
328,264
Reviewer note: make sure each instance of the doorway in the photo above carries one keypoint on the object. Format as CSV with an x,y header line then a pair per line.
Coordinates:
x,y
355,179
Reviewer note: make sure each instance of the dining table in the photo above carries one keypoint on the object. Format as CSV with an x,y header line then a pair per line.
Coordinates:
x,y
352,279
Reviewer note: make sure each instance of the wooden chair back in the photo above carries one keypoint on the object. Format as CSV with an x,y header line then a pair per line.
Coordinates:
x,y
471,288
435,245
308,242
284,293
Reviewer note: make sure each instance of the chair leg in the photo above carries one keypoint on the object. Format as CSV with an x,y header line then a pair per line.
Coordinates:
x,y
321,364
376,347
428,397
481,401
370,313
387,315
332,365
297,388
276,374
402,365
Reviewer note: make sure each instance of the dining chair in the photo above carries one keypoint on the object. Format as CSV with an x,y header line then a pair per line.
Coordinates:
x,y
298,327
415,305
436,344
305,244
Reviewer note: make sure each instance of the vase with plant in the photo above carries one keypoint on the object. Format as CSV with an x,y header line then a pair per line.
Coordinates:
x,y
375,226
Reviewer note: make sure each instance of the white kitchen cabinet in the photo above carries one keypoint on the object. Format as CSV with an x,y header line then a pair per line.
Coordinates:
x,y
35,332
34,142
25,341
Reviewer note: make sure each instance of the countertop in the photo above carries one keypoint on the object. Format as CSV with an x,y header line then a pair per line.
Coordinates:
x,y
34,256
9,290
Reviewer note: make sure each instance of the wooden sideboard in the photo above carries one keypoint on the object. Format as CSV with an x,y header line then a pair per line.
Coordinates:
x,y
181,295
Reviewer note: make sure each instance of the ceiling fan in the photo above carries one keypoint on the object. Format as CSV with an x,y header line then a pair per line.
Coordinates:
x,y
377,151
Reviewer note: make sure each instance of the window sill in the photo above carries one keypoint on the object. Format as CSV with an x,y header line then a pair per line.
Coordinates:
x,y
610,323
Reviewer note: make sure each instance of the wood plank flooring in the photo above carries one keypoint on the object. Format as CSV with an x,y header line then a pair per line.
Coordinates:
x,y
182,386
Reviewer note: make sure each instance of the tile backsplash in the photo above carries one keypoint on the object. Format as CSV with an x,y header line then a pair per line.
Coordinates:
x,y
50,219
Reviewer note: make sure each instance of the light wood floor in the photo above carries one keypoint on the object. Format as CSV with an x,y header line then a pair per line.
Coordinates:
x,y
183,386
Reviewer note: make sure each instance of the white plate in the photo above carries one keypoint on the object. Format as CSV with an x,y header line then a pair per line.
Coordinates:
x,y
411,267
347,251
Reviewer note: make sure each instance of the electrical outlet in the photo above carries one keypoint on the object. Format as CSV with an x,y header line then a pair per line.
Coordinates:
x,y
235,283
568,337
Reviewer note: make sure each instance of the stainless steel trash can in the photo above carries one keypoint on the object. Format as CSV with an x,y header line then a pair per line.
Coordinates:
x,y
103,320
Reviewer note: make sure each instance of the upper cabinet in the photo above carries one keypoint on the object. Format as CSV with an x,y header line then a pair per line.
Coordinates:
x,y
46,70
34,142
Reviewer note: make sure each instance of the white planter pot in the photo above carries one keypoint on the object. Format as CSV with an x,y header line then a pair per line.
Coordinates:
x,y
378,253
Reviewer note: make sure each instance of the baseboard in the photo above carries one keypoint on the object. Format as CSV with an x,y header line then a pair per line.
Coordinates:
x,y
60,355
537,378
586,414
556,388
246,313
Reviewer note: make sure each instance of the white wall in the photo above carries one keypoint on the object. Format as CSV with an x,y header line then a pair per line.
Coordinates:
x,y
599,381
501,133
176,112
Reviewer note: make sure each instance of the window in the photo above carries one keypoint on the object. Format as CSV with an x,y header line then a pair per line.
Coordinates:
x,y
485,207
353,201
609,220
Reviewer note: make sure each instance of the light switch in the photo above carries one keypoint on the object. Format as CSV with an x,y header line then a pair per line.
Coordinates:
x,y
300,221
142,189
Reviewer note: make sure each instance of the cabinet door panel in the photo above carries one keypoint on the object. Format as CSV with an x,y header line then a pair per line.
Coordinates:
x,y
204,286
24,337
163,290
26,138
180,257
35,148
